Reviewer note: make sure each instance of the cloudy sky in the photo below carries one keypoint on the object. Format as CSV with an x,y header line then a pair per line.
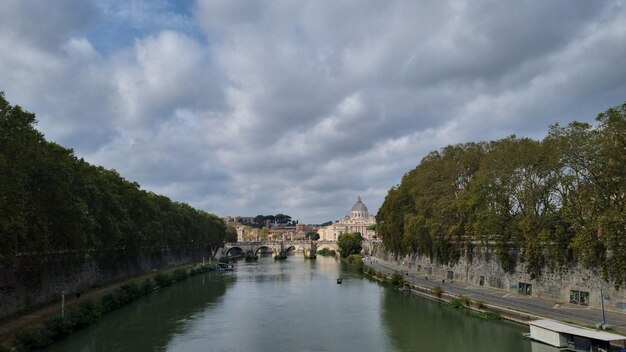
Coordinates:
x,y
259,107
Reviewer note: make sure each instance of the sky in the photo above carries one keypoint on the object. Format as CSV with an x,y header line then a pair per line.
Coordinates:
x,y
298,107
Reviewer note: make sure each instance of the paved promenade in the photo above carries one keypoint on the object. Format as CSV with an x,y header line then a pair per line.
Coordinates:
x,y
532,306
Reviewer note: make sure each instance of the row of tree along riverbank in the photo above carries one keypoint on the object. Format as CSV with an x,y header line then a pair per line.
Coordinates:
x,y
53,202
58,211
555,202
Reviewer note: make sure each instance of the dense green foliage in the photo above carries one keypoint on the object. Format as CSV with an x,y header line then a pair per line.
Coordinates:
x,y
545,203
326,252
53,203
397,280
312,235
356,260
281,219
489,315
349,243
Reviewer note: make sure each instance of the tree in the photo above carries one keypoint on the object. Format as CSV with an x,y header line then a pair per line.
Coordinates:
x,y
282,218
51,202
231,234
543,202
264,233
312,235
349,243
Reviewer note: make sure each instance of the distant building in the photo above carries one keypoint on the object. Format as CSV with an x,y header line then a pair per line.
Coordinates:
x,y
358,220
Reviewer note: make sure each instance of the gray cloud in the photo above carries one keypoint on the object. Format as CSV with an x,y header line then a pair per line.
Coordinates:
x,y
245,108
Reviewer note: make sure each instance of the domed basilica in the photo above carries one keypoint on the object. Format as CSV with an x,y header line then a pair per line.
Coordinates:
x,y
358,220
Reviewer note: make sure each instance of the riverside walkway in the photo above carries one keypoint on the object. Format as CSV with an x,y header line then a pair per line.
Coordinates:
x,y
528,307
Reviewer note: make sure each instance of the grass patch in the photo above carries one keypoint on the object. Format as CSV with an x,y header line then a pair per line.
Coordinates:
x,y
489,316
455,304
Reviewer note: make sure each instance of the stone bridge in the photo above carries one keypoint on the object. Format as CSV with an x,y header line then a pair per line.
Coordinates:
x,y
308,247
280,248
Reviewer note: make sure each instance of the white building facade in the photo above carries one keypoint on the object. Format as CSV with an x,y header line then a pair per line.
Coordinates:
x,y
358,220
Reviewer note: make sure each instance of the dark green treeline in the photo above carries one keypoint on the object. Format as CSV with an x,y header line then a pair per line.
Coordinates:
x,y
54,206
546,203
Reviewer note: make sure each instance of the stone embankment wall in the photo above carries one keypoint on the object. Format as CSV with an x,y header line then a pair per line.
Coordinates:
x,y
20,290
561,284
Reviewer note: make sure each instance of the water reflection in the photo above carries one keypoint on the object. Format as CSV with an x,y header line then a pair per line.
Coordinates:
x,y
291,305
149,323
418,324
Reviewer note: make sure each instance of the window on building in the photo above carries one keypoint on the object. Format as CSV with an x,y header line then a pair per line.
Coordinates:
x,y
419,267
525,288
574,297
584,298
579,297
450,275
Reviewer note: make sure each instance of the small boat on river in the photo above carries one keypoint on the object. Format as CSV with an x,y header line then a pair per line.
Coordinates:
x,y
226,266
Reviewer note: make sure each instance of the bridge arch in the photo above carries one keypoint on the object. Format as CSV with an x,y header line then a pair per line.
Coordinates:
x,y
231,248
256,251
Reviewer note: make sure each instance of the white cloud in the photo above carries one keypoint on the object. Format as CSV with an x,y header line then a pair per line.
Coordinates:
x,y
255,107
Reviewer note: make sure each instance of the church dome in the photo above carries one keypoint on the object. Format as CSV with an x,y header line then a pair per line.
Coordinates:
x,y
359,210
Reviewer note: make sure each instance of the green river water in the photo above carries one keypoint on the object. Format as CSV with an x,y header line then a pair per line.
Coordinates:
x,y
292,305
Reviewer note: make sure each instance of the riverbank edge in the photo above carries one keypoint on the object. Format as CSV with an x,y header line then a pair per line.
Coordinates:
x,y
505,313
35,317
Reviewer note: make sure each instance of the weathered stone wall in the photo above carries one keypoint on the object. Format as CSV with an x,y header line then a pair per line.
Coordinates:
x,y
18,293
552,284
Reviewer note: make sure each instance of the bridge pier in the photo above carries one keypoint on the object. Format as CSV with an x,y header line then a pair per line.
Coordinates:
x,y
280,248
311,252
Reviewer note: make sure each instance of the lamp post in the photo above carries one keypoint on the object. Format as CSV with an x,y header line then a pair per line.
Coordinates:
x,y
62,304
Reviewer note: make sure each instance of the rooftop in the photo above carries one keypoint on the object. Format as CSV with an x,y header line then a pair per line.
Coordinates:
x,y
573,330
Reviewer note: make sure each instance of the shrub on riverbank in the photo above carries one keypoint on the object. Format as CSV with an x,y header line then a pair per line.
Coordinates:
x,y
356,260
114,300
349,243
163,279
460,302
397,280
437,291
489,315
466,301
455,303
33,338
89,311
327,252
179,274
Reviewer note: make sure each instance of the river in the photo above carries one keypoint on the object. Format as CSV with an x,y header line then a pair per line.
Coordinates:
x,y
291,305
